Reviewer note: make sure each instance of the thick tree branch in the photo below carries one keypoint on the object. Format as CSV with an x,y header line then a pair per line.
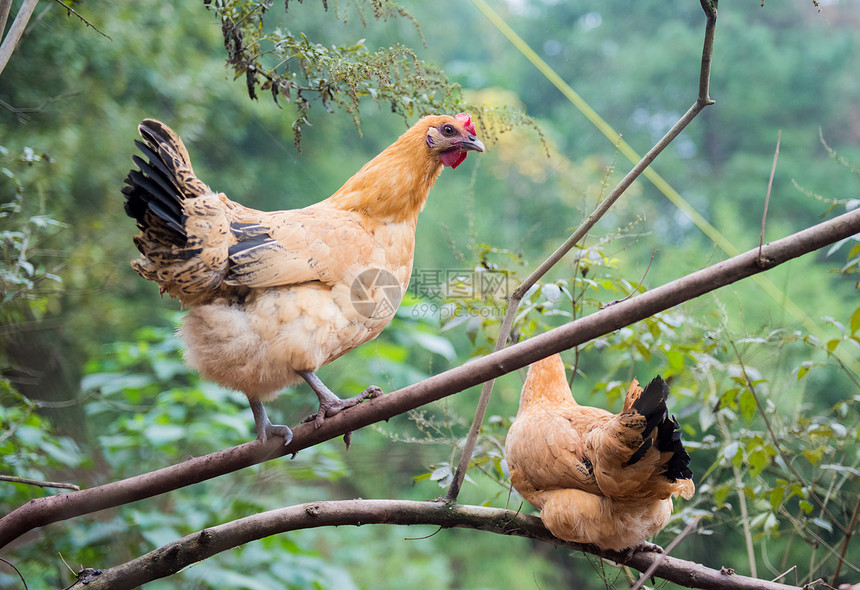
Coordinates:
x,y
702,100
42,511
203,544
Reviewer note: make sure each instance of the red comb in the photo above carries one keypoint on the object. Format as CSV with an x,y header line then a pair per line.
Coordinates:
x,y
466,120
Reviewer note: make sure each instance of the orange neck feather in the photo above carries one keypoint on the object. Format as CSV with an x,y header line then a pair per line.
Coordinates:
x,y
546,384
394,185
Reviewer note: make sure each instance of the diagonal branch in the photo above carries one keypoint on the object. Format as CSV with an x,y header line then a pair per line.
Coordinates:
x,y
198,546
13,35
703,99
42,511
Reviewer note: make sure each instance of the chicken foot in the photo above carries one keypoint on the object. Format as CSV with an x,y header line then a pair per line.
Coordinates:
x,y
644,546
265,428
330,404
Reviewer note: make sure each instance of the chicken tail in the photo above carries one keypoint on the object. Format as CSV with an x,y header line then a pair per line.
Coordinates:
x,y
651,403
155,192
640,449
182,222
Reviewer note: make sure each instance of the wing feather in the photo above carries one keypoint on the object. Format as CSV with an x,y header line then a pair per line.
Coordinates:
x,y
297,246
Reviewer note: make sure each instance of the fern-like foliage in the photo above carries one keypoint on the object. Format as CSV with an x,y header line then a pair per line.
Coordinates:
x,y
295,69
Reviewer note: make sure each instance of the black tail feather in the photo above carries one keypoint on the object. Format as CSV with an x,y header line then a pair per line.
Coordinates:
x,y
153,189
652,404
669,439
168,195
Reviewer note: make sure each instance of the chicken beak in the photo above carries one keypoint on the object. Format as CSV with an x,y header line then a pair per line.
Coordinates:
x,y
472,143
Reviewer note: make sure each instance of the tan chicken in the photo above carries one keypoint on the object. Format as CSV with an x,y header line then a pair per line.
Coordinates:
x,y
273,296
596,477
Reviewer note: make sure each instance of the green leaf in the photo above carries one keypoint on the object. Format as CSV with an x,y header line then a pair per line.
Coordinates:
x,y
733,453
720,495
159,434
644,351
806,506
776,497
676,359
758,460
854,322
436,344
728,399
747,404
826,525
813,455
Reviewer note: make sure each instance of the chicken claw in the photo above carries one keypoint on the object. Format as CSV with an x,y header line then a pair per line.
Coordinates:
x,y
644,546
649,547
330,404
265,428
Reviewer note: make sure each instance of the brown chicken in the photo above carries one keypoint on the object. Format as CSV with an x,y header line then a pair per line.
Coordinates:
x,y
273,296
596,477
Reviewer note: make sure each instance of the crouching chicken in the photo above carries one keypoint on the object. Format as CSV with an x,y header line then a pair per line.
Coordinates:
x,y
597,477
273,296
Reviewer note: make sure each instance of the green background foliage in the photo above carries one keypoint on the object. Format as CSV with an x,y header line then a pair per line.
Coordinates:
x,y
93,387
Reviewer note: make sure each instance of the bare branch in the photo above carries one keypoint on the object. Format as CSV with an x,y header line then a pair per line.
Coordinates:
x,y
849,533
769,187
198,546
702,101
10,564
70,11
41,484
42,511
10,41
5,9
662,556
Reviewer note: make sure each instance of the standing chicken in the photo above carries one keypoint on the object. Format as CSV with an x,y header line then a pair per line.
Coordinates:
x,y
596,477
273,296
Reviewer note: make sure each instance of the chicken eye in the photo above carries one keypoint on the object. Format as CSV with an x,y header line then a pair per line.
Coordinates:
x,y
448,129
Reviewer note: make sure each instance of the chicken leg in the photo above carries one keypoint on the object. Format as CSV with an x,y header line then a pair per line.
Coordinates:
x,y
265,428
330,404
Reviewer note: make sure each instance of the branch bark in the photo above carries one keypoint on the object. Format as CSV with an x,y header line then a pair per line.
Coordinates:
x,y
702,100
42,511
10,41
203,544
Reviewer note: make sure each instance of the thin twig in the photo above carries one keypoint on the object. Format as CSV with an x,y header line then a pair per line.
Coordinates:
x,y
785,573
785,458
5,9
769,186
6,561
702,101
41,484
742,501
10,41
70,11
661,556
639,286
817,541
848,535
